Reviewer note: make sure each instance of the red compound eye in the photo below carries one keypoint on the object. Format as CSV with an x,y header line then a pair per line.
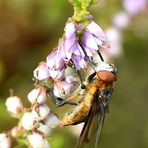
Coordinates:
x,y
106,76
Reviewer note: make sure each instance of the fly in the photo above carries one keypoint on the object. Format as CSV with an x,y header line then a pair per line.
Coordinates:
x,y
93,106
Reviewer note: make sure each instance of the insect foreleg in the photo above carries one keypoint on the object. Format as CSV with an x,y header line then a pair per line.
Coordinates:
x,y
68,100
57,101
79,75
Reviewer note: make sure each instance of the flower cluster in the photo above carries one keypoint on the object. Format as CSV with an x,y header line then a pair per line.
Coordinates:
x,y
35,122
76,49
79,43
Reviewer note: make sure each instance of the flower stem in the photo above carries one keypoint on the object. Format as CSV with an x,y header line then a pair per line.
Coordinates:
x,y
81,9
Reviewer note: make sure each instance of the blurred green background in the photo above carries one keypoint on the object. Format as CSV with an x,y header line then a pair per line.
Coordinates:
x,y
29,29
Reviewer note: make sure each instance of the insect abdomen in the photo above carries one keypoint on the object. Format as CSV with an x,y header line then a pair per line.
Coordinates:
x,y
79,113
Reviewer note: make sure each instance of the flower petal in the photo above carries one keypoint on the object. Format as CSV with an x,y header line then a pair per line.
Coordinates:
x,y
57,73
68,43
79,62
14,105
90,52
69,29
96,30
50,61
88,41
41,72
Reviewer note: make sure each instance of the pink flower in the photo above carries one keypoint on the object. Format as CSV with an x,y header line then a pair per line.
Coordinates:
x,y
89,43
43,128
52,120
56,65
37,140
57,74
79,62
41,72
93,38
40,112
37,95
54,61
121,20
71,47
69,30
134,6
14,106
5,140
63,89
96,30
28,121
75,49
68,51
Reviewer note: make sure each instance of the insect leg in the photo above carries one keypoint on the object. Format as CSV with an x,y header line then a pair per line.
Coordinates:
x,y
57,100
79,75
90,60
100,55
51,95
68,100
89,79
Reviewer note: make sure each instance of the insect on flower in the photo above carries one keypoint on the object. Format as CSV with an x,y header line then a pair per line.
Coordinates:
x,y
94,104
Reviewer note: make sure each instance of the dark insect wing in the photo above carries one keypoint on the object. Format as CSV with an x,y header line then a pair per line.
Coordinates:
x,y
100,122
88,130
93,123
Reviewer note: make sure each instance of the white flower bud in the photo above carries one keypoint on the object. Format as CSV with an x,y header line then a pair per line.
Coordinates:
x,y
57,74
52,120
44,129
37,95
5,141
40,112
64,89
61,89
14,131
36,140
41,72
28,121
14,105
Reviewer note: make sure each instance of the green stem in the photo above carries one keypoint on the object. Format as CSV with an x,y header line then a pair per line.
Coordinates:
x,y
81,9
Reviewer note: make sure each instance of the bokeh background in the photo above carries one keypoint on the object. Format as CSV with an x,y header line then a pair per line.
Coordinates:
x,y
29,29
